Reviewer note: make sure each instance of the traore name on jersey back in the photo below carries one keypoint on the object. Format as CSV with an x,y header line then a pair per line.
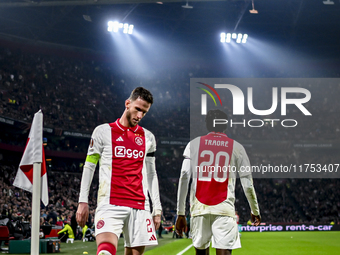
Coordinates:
x,y
215,142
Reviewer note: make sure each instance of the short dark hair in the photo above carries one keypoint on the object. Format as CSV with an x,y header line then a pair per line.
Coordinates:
x,y
142,93
211,116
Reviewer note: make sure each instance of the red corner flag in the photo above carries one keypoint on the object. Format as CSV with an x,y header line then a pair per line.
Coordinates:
x,y
34,153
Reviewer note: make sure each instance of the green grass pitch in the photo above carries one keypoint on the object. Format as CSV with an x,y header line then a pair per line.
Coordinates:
x,y
271,243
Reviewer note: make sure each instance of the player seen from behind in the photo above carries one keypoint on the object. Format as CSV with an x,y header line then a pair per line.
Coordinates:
x,y
212,161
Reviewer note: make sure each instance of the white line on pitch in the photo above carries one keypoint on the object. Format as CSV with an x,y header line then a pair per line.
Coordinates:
x,y
182,252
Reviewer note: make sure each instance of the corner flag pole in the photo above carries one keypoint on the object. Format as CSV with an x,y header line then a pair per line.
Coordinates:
x,y
32,176
36,208
37,156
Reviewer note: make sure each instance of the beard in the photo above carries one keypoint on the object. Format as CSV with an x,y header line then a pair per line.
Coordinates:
x,y
129,119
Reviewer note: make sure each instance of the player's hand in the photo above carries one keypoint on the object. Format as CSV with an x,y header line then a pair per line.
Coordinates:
x,y
157,221
180,225
255,219
82,214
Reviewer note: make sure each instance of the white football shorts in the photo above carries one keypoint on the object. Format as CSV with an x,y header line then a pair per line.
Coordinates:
x,y
137,225
222,230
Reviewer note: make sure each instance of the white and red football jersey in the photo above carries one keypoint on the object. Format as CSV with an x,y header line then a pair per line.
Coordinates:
x,y
215,161
122,151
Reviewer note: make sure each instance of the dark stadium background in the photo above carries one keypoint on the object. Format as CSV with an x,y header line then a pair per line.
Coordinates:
x,y
58,56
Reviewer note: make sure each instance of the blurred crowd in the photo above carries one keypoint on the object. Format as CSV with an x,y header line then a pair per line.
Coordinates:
x,y
294,200
77,95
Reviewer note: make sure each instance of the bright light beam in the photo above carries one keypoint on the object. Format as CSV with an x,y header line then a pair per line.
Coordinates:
x,y
227,38
116,26
223,37
245,37
239,38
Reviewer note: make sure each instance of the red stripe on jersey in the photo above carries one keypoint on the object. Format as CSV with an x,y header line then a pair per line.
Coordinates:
x,y
128,152
215,151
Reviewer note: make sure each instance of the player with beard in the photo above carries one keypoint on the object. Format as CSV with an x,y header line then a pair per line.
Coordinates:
x,y
212,162
127,174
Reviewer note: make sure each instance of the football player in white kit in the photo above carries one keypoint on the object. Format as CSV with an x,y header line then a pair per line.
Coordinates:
x,y
127,174
212,161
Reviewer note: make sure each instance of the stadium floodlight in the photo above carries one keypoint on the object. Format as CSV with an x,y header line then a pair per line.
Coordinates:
x,y
228,40
109,26
328,2
115,26
245,37
239,38
130,29
126,28
223,37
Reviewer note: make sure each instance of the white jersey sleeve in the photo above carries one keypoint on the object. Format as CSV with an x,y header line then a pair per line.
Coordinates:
x,y
249,191
186,152
153,186
183,186
184,181
244,170
93,156
242,162
150,139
